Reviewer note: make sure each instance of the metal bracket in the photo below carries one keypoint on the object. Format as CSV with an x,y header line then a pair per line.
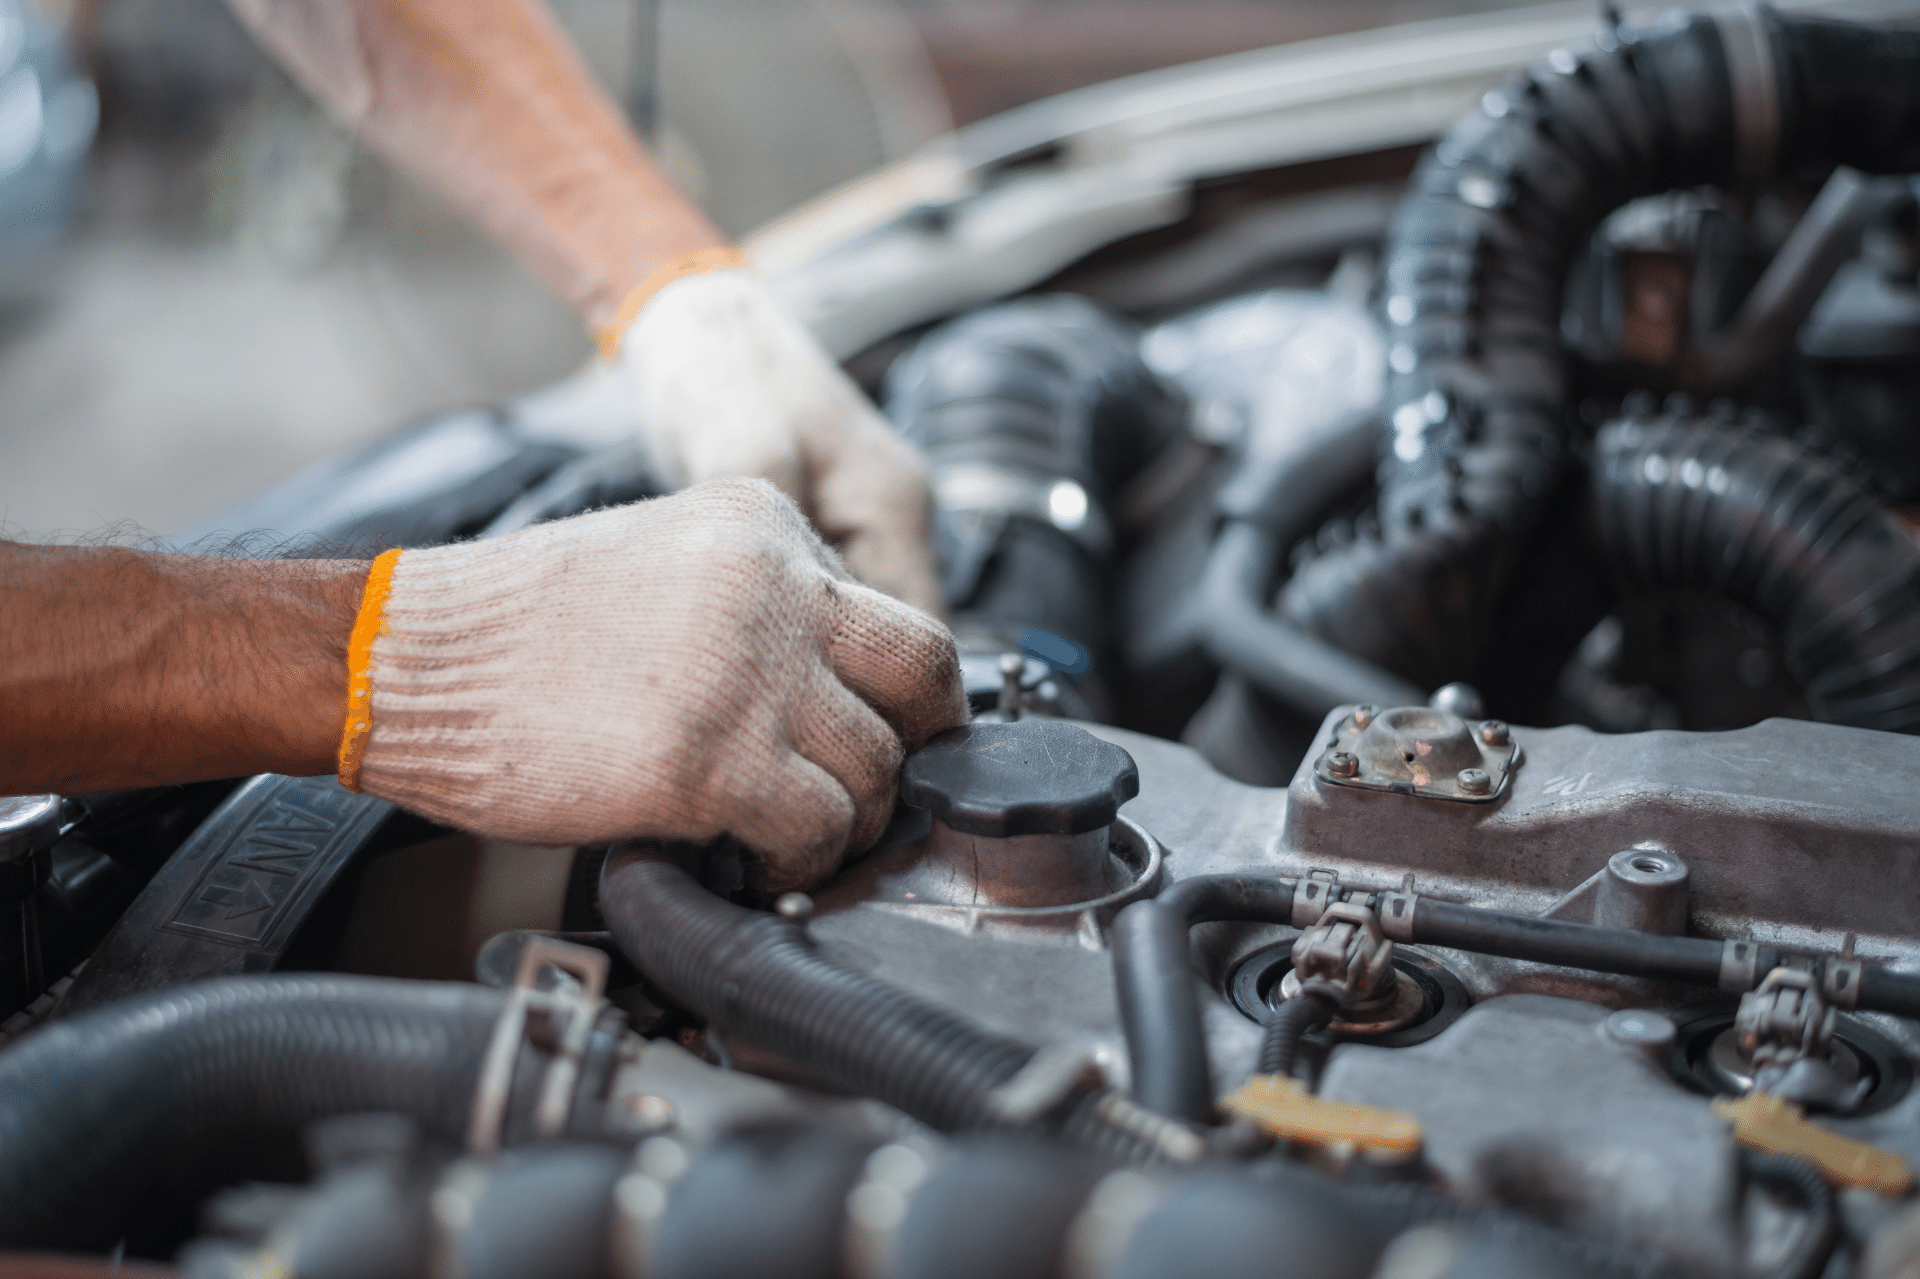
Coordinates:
x,y
558,1020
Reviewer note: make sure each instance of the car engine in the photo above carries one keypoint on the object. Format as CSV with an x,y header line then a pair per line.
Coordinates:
x,y
1440,800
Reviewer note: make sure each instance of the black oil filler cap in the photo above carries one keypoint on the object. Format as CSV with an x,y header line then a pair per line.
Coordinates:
x,y
1030,777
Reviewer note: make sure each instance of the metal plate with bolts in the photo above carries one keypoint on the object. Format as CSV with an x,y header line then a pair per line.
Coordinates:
x,y
1419,750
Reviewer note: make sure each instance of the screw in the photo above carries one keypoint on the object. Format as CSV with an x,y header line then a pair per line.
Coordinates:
x,y
795,906
1494,733
1012,667
1363,716
1341,764
1474,781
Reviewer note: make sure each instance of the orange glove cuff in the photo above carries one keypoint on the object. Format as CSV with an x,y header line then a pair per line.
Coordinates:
x,y
366,628
720,258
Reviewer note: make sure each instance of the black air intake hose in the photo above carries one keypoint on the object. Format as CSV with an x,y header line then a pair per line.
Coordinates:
x,y
155,1100
1684,504
1007,403
758,975
1477,261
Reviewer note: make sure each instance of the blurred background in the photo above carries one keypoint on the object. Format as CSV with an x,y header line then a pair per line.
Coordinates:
x,y
205,284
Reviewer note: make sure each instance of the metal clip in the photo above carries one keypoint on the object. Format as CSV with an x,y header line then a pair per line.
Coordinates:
x,y
1311,895
557,1020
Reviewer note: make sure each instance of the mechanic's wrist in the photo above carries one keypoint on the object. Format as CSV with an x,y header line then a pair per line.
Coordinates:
x,y
275,680
612,331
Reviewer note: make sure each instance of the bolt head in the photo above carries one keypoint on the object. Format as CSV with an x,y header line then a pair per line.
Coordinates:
x,y
1363,716
1474,781
1341,764
1494,733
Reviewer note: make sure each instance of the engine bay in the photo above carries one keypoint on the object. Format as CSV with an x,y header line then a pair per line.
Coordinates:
x,y
1444,651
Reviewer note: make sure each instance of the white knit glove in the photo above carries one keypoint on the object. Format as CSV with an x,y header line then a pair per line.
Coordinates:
x,y
680,668
728,384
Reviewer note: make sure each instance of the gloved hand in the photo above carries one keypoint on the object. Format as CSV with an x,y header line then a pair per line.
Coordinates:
x,y
680,668
729,384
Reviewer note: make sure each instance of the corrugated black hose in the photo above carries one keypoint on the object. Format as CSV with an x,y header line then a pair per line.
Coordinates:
x,y
758,975
1287,1025
118,1115
1476,424
1685,504
1802,1181
1007,403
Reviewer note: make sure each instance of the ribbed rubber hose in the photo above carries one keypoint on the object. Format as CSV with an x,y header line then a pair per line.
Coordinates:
x,y
1476,265
160,1098
1800,1179
1006,403
758,975
1287,1025
1684,504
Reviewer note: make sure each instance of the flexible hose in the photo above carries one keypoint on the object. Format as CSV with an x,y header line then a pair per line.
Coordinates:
x,y
1009,404
1476,264
1684,504
1292,1021
758,975
797,1200
1155,984
157,1099
1802,1181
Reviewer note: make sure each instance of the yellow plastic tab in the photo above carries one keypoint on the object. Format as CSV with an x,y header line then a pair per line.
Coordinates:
x,y
1285,1108
1762,1121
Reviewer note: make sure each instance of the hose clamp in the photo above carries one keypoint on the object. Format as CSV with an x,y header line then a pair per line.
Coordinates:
x,y
987,489
1312,895
557,1020
1755,81
1739,966
1395,911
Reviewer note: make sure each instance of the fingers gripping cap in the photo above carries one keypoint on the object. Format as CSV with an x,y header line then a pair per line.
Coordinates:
x,y
1030,777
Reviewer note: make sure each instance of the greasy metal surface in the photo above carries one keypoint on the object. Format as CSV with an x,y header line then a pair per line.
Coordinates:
x,y
1789,832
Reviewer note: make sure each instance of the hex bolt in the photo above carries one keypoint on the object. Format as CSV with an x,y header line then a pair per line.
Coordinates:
x,y
1474,781
1363,716
1341,764
795,906
1494,733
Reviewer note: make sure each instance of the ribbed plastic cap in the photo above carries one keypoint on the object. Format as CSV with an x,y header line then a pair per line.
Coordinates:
x,y
28,823
1031,777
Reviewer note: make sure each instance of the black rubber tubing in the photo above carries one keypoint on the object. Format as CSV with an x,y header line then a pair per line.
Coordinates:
x,y
1287,1025
1680,503
1566,944
758,975
1268,504
160,1098
1804,1182
1476,425
1157,989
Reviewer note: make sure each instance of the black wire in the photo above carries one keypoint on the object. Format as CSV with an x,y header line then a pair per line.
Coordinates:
x,y
1292,1021
1800,1180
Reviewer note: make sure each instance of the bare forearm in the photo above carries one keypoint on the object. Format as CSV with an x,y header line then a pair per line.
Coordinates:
x,y
122,668
486,100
